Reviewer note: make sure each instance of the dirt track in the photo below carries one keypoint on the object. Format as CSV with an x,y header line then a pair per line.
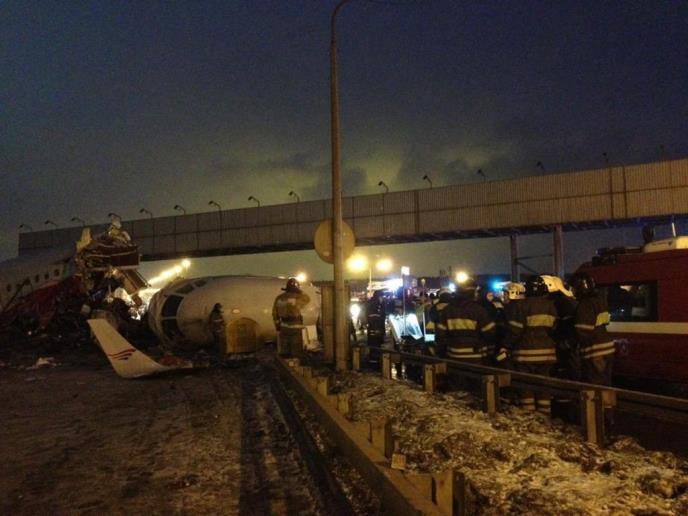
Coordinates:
x,y
82,440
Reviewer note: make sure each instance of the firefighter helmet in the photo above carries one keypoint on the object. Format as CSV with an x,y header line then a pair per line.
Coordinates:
x,y
583,284
513,291
293,285
467,289
554,284
535,286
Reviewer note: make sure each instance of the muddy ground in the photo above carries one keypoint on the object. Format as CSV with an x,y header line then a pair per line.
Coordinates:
x,y
76,438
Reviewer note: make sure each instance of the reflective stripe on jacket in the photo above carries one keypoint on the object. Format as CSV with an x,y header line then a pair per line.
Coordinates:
x,y
532,324
466,329
592,318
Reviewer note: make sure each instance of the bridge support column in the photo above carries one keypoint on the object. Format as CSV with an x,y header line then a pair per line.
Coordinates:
x,y
513,242
558,250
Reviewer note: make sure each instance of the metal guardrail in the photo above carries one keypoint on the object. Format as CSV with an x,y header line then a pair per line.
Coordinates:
x,y
593,398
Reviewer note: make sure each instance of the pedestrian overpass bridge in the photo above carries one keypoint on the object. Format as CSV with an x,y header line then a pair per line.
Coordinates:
x,y
599,198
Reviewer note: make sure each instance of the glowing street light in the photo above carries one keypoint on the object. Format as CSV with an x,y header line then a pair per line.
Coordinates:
x,y
357,263
383,265
301,277
461,277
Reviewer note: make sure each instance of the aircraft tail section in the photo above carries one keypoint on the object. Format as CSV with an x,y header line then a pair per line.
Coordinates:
x,y
126,360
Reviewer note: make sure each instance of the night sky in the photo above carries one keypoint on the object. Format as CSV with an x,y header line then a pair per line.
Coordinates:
x,y
113,106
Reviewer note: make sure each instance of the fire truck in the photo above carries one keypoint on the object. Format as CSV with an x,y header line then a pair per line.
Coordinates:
x,y
647,292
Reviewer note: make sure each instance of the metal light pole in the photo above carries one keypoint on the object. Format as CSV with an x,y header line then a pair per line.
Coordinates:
x,y
77,219
180,208
251,198
341,329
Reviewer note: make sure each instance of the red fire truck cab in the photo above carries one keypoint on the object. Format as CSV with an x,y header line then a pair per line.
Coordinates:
x,y
647,292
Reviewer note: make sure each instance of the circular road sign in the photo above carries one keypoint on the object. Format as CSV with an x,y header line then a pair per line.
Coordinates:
x,y
323,241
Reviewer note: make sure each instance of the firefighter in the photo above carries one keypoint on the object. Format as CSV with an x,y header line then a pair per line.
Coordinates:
x,y
464,328
376,318
512,294
286,314
533,348
564,335
592,317
217,328
443,300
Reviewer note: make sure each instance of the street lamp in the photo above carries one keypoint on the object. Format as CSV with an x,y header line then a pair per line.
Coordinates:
x,y
426,178
251,198
25,226
180,208
114,215
384,185
294,194
50,222
482,174
213,203
540,166
144,210
77,219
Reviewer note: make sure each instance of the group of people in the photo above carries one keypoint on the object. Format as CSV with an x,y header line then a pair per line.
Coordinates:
x,y
541,327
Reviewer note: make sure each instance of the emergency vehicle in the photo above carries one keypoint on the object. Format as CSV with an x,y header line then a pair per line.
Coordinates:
x,y
646,289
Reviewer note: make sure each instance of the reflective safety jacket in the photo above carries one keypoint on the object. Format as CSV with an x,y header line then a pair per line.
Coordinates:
x,y
434,315
466,330
592,319
286,312
532,324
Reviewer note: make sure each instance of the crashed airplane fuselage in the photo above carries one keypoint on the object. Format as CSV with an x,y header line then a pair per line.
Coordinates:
x,y
180,313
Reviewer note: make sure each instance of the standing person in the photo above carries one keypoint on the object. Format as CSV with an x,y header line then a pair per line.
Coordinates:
x,y
376,317
286,314
564,335
443,301
534,349
464,328
592,317
217,327
512,294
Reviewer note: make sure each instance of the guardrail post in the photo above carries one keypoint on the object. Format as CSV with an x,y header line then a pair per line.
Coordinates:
x,y
381,436
429,380
345,404
356,358
490,388
592,416
324,385
449,492
387,366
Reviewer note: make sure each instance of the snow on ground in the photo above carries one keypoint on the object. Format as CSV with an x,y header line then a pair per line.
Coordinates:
x,y
77,439
518,462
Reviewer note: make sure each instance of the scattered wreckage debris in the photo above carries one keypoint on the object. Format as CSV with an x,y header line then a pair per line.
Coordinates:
x,y
514,462
126,360
52,292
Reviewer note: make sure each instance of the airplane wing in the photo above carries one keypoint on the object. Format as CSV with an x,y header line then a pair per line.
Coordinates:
x,y
127,361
